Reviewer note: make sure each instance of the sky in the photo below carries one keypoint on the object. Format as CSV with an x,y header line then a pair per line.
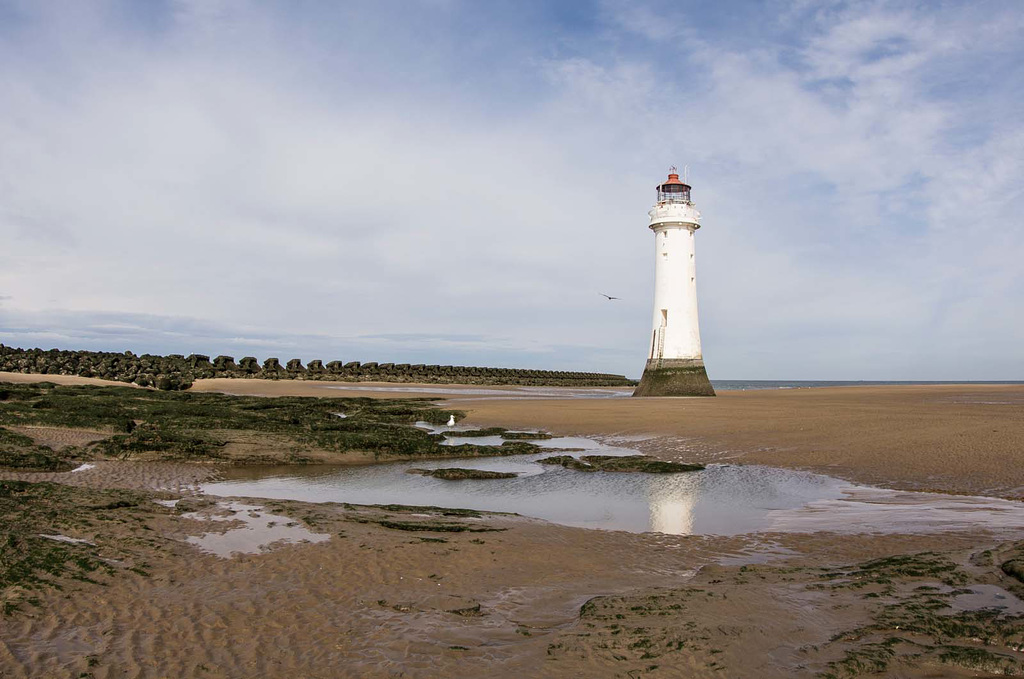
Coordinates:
x,y
456,182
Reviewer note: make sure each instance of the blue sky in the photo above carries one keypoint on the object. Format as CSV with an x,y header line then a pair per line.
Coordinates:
x,y
449,181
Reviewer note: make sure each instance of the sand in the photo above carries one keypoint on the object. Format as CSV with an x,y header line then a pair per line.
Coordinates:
x,y
374,601
328,389
176,477
28,378
59,438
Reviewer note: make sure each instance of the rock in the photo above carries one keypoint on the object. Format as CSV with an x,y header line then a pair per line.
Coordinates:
x,y
224,363
148,368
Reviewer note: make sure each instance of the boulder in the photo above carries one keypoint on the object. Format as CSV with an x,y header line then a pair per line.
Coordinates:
x,y
198,361
224,363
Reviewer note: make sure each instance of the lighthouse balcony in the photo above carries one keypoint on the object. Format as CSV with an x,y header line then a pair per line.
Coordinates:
x,y
674,213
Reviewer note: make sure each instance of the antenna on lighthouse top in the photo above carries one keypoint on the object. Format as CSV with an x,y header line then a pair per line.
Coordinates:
x,y
686,174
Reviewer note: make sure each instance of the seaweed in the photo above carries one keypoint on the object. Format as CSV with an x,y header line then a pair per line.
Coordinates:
x,y
475,433
979,660
435,527
21,453
460,473
613,463
424,509
1014,568
196,426
526,435
29,560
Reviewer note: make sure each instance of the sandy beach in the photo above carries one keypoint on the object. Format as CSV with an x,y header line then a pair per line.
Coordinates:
x,y
507,596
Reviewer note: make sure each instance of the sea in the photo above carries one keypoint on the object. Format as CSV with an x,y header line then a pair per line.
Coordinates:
x,y
746,385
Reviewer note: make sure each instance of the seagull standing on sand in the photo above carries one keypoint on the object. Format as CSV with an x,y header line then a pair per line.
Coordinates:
x,y
451,421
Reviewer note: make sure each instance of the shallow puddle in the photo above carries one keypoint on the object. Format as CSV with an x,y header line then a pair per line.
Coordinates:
x,y
988,597
258,532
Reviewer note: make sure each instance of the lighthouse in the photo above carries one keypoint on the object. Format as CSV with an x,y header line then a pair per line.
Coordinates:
x,y
675,364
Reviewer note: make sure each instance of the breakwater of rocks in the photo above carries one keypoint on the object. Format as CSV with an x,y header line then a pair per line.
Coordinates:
x,y
176,371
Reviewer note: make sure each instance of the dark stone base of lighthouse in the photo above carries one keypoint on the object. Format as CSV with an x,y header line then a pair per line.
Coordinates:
x,y
675,377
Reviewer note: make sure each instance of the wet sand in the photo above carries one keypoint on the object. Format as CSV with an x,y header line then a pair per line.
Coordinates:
x,y
174,477
380,600
59,438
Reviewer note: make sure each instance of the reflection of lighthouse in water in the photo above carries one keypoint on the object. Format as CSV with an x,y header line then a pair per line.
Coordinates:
x,y
672,504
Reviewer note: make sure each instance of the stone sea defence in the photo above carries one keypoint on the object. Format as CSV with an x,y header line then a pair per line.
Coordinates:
x,y
176,371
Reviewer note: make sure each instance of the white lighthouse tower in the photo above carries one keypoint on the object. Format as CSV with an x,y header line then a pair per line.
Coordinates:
x,y
675,365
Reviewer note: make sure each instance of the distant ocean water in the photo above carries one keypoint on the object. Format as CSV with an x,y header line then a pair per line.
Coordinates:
x,y
746,385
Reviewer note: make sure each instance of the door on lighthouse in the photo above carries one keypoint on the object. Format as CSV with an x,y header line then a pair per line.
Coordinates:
x,y
661,334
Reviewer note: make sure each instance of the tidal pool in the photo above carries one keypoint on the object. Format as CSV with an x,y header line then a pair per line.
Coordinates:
x,y
251,530
720,500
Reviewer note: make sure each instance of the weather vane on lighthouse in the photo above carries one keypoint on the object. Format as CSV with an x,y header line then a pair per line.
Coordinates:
x,y
675,364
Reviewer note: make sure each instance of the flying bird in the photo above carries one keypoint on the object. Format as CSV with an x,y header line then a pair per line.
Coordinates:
x,y
609,297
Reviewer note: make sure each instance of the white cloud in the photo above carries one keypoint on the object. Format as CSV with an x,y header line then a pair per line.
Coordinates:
x,y
313,182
